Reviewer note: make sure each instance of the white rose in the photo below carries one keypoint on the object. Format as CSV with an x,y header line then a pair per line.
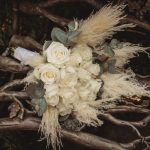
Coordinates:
x,y
86,64
48,74
83,74
84,50
95,85
94,69
75,59
51,94
51,89
67,93
92,96
68,77
57,53
64,109
52,100
83,93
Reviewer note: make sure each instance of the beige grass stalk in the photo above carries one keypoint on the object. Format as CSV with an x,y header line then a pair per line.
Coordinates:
x,y
127,52
50,127
117,85
87,114
102,25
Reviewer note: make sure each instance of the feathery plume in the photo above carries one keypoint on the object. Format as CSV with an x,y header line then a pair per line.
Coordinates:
x,y
50,127
127,52
87,114
117,85
102,25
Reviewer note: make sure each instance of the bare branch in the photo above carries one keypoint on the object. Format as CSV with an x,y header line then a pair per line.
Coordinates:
x,y
7,96
26,42
10,65
120,123
84,139
34,9
123,109
143,25
50,3
142,123
11,84
15,16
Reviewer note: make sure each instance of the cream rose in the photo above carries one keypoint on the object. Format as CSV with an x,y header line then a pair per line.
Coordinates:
x,y
51,89
95,85
75,59
84,50
52,100
48,74
57,53
83,74
51,94
64,109
93,69
67,93
68,77
83,93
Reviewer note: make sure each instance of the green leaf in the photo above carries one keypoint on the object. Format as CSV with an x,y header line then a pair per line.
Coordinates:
x,y
41,106
59,35
108,50
114,43
72,35
111,66
71,25
120,45
35,91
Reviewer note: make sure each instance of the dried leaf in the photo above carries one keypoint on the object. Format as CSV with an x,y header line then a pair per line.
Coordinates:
x,y
111,65
14,109
73,124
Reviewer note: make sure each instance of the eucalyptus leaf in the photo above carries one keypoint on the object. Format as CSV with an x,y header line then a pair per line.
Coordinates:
x,y
108,50
41,106
73,34
35,91
59,35
35,101
114,43
111,65
71,26
120,45
46,45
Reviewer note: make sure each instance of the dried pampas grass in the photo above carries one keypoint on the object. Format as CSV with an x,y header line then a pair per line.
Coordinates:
x,y
87,114
51,128
102,25
117,85
127,52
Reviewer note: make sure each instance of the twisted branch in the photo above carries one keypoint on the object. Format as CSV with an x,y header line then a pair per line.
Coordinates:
x,y
26,42
10,65
84,139
34,9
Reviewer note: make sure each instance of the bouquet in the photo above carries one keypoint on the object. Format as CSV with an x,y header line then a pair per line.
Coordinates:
x,y
80,72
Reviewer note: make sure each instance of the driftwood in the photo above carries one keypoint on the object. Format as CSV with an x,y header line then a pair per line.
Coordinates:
x,y
25,118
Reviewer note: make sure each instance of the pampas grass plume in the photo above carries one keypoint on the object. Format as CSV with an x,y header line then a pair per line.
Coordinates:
x,y
102,25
